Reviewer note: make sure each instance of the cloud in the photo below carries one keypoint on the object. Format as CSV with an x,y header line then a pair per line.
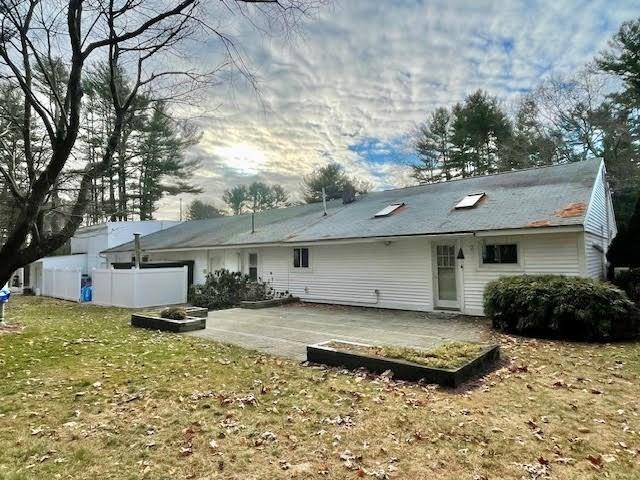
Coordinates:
x,y
363,74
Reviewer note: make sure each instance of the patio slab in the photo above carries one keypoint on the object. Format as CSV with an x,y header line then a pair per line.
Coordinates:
x,y
287,330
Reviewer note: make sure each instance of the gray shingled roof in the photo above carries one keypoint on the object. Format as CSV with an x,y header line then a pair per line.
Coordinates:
x,y
523,199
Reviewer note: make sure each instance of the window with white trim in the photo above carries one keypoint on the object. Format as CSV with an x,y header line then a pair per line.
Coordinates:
x,y
301,257
500,253
253,267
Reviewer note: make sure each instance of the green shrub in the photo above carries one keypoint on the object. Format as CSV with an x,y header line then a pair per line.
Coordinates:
x,y
629,281
225,289
561,307
174,313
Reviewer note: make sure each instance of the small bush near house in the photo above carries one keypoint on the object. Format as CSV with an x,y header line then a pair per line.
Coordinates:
x,y
225,289
629,281
561,307
174,313
222,289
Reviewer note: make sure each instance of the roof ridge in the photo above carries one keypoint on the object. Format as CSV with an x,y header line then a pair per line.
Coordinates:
x,y
495,174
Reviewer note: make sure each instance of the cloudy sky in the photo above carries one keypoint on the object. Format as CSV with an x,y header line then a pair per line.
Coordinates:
x,y
360,74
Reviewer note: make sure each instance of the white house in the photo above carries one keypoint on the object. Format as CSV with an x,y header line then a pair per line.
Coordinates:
x,y
87,244
417,248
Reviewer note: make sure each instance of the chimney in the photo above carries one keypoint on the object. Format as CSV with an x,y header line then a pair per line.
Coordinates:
x,y
253,222
136,242
324,202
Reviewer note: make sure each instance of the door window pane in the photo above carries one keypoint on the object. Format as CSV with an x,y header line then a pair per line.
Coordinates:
x,y
446,263
447,284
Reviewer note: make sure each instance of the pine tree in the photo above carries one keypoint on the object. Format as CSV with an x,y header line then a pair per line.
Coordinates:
x,y
433,148
236,199
163,166
199,210
334,180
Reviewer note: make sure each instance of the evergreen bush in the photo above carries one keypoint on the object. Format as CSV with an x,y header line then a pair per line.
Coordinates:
x,y
555,306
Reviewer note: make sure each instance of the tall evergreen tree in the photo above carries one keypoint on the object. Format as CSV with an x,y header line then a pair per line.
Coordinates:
x,y
433,147
236,199
199,210
280,196
529,145
259,197
163,167
333,178
622,59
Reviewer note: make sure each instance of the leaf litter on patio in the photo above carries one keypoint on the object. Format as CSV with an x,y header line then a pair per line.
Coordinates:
x,y
83,395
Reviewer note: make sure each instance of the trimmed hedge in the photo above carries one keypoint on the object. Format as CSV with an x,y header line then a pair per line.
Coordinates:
x,y
629,281
554,306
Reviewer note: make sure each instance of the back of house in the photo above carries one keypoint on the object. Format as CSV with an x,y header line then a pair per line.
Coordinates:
x,y
428,247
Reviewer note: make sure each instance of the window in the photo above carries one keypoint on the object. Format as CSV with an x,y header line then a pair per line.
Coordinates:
x,y
300,258
253,267
470,200
505,253
389,209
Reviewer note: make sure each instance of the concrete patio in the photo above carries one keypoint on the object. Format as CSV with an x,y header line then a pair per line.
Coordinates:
x,y
287,330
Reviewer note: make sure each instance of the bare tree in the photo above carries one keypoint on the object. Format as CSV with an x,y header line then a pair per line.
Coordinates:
x,y
69,35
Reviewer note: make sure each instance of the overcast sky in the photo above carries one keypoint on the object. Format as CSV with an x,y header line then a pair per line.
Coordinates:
x,y
363,73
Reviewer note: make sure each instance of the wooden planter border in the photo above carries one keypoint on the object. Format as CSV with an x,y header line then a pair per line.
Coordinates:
x,y
274,302
166,324
200,312
402,369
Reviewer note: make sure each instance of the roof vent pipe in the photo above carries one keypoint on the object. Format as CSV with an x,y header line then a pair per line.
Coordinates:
x,y
136,242
324,202
253,222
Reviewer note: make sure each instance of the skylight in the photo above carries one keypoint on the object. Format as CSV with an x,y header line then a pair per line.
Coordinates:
x,y
470,200
389,209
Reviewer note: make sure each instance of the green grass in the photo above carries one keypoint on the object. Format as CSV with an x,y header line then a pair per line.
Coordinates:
x,y
450,355
85,396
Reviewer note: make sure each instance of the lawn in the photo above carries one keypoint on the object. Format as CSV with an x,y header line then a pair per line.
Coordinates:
x,y
85,396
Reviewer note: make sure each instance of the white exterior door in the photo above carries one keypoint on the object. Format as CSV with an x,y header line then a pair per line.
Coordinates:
x,y
445,281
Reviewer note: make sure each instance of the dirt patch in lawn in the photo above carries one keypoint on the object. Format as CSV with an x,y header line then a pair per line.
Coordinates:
x,y
8,328
449,355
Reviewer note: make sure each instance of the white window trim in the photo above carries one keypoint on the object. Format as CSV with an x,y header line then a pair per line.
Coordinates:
x,y
300,269
505,267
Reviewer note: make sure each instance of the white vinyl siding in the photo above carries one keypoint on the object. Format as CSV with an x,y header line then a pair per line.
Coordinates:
x,y
350,274
595,259
538,254
599,226
396,274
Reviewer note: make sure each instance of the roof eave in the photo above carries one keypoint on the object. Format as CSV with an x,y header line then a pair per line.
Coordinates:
x,y
478,233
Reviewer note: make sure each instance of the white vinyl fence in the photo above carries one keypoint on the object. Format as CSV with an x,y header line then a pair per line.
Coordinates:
x,y
59,283
139,288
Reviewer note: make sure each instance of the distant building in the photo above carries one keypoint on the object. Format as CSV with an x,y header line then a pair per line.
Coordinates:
x,y
86,246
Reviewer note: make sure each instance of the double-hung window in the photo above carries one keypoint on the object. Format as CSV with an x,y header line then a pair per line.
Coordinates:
x,y
506,253
301,257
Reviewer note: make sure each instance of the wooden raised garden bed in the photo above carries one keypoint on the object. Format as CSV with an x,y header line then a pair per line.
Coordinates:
x,y
273,302
155,322
356,355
